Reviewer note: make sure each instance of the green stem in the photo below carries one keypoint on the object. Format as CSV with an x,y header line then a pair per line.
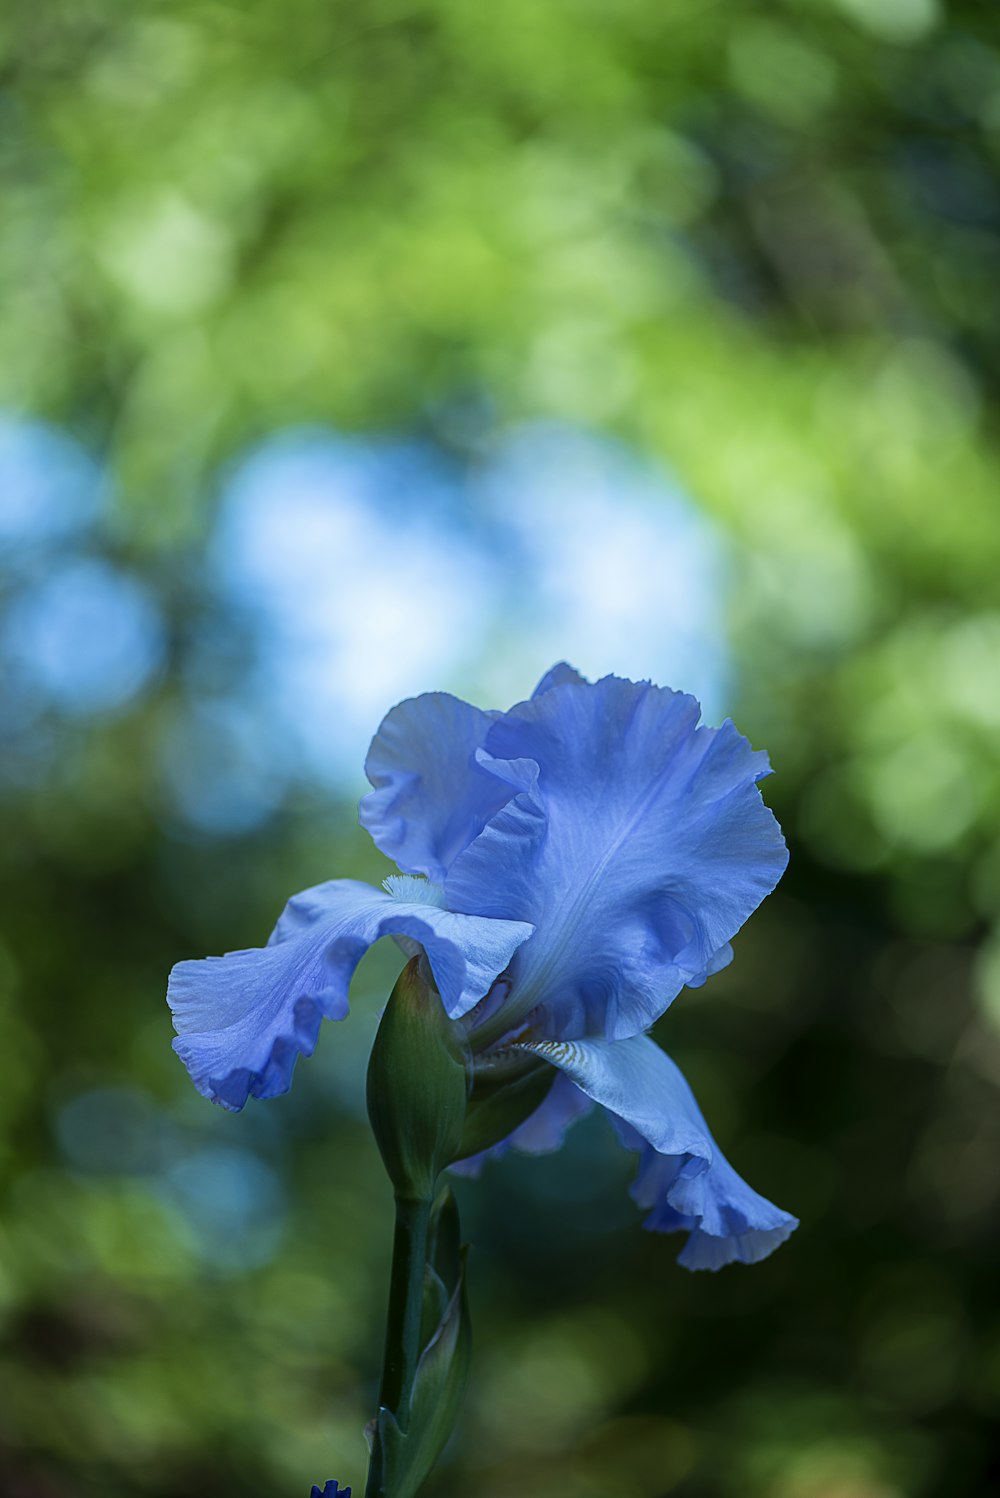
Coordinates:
x,y
402,1332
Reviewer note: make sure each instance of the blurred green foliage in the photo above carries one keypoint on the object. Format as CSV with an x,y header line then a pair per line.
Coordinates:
x,y
759,242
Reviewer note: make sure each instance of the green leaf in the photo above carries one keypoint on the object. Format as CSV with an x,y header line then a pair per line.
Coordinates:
x,y
435,1304
408,1456
444,1239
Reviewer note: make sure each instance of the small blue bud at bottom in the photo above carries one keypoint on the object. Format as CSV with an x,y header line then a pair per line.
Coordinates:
x,y
330,1491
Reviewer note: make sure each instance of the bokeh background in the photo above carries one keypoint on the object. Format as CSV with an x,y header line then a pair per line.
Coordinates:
x,y
354,350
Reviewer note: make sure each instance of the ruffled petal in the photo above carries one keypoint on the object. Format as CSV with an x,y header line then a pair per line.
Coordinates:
x,y
557,675
683,1176
243,1019
718,960
727,1220
639,852
432,796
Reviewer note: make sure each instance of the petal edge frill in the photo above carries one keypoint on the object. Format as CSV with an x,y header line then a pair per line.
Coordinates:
x,y
728,1222
557,676
244,1019
431,796
683,1176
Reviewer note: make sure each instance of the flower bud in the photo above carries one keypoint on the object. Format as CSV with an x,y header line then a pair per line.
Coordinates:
x,y
418,1084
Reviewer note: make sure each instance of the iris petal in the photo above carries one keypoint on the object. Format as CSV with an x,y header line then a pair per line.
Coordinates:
x,y
431,796
244,1019
727,1220
435,787
637,855
557,676
683,1176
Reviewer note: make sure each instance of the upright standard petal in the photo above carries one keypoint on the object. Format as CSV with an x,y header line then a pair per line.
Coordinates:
x,y
432,796
683,1176
637,855
557,676
243,1019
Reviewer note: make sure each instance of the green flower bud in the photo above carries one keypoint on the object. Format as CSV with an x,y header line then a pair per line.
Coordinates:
x,y
419,1077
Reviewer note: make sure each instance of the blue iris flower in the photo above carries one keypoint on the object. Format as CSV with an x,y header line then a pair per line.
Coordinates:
x,y
568,867
331,1490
